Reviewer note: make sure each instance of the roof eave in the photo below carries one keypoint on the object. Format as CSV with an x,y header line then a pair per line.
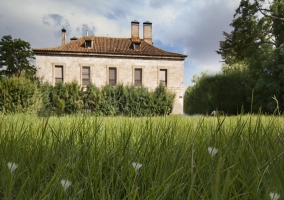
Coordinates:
x,y
114,55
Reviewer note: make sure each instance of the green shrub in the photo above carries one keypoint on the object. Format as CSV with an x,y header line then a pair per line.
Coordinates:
x,y
61,99
92,99
162,101
19,94
127,100
46,90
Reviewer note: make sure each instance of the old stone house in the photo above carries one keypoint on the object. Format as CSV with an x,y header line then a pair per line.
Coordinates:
x,y
106,60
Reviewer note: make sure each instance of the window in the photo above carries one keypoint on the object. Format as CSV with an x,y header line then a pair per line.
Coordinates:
x,y
88,43
85,75
163,77
136,46
58,74
138,76
112,76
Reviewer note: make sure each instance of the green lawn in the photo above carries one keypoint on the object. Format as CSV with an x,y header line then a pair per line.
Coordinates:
x,y
173,157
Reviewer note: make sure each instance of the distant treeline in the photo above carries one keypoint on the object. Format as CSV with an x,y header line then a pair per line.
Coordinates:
x,y
232,92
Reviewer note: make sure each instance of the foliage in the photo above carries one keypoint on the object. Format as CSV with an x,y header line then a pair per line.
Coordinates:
x,y
257,41
15,56
228,92
162,101
69,98
62,98
92,99
19,94
179,157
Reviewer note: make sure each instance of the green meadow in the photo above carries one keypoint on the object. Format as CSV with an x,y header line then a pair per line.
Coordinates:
x,y
171,157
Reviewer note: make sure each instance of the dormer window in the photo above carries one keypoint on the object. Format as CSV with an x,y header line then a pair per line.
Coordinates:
x,y
88,43
136,46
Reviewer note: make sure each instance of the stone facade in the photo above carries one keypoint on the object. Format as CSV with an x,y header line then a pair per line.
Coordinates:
x,y
149,58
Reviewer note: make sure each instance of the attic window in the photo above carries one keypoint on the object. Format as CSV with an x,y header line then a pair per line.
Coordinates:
x,y
88,43
136,46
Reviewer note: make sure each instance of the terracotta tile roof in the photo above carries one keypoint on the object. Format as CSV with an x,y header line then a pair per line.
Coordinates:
x,y
109,47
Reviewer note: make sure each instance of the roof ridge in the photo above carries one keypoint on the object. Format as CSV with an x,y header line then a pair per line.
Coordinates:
x,y
109,45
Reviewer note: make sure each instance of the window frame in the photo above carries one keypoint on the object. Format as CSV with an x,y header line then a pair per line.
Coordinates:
x,y
82,65
142,75
115,80
159,68
136,46
165,83
54,65
82,75
107,73
88,42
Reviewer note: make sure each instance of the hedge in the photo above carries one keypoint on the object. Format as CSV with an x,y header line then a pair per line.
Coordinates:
x,y
25,95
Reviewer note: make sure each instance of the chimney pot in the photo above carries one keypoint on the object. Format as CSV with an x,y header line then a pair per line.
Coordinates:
x,y
63,35
147,32
134,29
73,38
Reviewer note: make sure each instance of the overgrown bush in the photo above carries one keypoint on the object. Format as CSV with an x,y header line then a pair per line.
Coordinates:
x,y
61,99
92,99
19,94
108,100
162,101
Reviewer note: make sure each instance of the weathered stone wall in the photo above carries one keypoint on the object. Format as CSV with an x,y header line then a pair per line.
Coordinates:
x,y
125,69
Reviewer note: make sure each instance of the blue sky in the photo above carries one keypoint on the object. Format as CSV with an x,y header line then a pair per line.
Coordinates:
x,y
191,27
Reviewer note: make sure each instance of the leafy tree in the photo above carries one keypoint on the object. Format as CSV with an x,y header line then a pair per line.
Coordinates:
x,y
15,55
197,98
228,92
257,41
267,12
19,94
251,35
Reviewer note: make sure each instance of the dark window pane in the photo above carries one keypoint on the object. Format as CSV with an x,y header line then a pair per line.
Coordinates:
x,y
58,80
85,81
136,46
86,70
112,82
163,76
85,75
58,74
88,43
138,77
112,76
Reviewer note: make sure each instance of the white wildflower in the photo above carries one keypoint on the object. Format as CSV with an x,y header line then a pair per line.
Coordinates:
x,y
65,184
12,166
274,196
136,166
212,151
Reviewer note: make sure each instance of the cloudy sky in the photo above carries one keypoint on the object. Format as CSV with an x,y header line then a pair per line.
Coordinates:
x,y
191,27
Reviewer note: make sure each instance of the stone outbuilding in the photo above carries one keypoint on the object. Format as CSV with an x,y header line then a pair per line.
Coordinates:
x,y
106,60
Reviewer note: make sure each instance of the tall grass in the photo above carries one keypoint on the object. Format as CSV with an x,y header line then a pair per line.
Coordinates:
x,y
97,155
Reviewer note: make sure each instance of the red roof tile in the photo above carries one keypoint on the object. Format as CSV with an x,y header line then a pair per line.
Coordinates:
x,y
109,47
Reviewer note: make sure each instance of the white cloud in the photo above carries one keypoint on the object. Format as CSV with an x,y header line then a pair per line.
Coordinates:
x,y
195,26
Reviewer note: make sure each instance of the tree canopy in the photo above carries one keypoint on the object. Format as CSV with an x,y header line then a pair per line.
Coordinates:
x,y
225,92
256,42
15,57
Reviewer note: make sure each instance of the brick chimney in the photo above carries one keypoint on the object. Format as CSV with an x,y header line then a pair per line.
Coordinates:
x,y
63,35
147,32
134,29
